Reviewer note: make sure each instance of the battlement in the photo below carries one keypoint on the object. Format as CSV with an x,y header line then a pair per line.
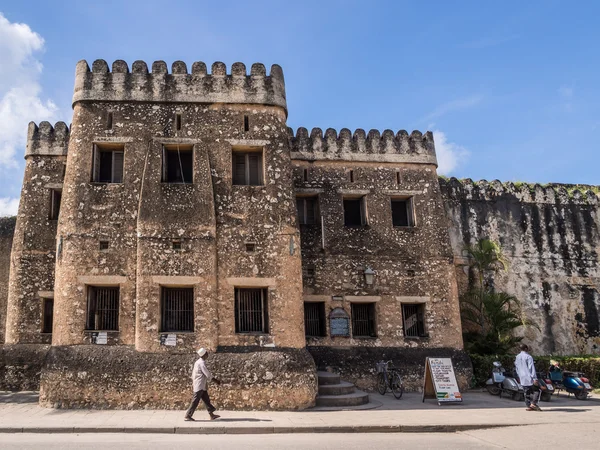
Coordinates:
x,y
360,146
179,86
47,140
552,193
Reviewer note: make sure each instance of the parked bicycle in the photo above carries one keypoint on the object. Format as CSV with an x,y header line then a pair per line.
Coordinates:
x,y
389,378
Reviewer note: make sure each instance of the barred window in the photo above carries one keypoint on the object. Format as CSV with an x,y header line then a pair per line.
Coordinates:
x,y
177,309
363,320
251,311
314,319
47,314
103,308
413,319
308,210
402,212
248,167
108,163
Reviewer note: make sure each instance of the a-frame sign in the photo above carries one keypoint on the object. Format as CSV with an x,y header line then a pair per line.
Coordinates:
x,y
439,382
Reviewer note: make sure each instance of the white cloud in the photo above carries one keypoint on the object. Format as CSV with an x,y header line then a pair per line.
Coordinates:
x,y
9,206
454,105
449,154
20,90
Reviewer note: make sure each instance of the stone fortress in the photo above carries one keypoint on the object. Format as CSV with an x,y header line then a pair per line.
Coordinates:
x,y
179,211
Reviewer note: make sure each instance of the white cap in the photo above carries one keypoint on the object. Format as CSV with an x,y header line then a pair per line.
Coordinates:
x,y
201,352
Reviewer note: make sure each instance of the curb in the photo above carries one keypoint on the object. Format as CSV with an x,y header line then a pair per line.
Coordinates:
x,y
264,430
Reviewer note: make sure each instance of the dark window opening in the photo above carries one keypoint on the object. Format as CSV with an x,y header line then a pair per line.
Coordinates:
x,y
250,246
314,319
402,212
410,273
363,320
308,210
308,271
413,320
108,164
178,122
177,309
104,245
355,212
47,314
246,124
305,174
351,176
55,198
176,245
109,121
251,311
397,177
103,308
178,164
248,168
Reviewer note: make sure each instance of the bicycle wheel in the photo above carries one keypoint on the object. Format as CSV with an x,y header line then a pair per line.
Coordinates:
x,y
397,387
381,383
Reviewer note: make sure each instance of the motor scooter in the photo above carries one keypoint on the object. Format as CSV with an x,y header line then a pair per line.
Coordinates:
x,y
503,382
546,386
571,382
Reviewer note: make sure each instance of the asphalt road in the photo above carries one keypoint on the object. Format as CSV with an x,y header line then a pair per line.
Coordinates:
x,y
575,436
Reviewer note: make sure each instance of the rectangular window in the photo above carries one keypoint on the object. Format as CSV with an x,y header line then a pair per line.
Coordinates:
x,y
248,168
47,314
402,212
251,312
178,164
107,164
308,210
363,320
177,311
55,197
413,319
314,319
355,214
103,308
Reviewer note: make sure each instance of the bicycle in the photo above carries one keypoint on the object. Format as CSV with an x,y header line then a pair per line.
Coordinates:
x,y
393,381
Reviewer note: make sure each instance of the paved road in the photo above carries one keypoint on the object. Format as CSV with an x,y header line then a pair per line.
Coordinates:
x,y
574,436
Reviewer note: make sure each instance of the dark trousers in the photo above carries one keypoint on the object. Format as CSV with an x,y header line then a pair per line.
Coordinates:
x,y
200,395
532,395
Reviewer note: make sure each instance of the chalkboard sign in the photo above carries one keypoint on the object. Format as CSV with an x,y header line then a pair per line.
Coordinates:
x,y
339,323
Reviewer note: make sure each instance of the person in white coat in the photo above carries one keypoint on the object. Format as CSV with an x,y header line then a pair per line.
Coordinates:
x,y
200,377
528,378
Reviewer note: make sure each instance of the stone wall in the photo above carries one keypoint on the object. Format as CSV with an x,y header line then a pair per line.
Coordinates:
x,y
120,377
551,236
21,366
7,228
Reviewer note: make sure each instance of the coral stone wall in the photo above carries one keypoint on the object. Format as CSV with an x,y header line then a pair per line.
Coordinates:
x,y
551,236
7,228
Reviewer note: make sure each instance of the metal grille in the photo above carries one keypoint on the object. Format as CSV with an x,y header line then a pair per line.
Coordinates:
x,y
314,319
412,316
251,311
363,320
103,308
47,315
177,309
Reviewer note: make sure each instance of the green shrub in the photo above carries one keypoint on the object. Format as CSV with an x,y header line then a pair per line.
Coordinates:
x,y
588,364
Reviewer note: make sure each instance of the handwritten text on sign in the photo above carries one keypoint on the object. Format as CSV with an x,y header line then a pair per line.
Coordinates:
x,y
444,380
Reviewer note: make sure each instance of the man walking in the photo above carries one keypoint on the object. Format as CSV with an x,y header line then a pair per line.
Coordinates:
x,y
200,376
528,378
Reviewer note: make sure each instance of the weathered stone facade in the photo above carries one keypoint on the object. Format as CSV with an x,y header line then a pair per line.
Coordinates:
x,y
282,252
7,229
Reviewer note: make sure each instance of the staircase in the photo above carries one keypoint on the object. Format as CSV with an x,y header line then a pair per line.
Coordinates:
x,y
335,394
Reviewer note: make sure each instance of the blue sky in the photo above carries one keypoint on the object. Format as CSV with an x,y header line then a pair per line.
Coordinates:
x,y
510,88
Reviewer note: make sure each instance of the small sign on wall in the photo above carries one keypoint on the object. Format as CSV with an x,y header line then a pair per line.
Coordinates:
x,y
339,323
169,340
440,382
99,337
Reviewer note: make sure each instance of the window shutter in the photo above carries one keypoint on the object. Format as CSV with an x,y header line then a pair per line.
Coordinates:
x,y
95,164
310,211
117,167
300,209
239,168
363,211
254,169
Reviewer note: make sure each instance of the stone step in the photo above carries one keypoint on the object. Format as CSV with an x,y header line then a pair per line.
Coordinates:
x,y
354,399
342,388
328,378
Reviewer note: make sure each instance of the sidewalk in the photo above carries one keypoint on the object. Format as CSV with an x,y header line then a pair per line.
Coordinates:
x,y
19,412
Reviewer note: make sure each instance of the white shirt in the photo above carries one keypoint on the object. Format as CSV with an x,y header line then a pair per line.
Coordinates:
x,y
200,375
525,369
